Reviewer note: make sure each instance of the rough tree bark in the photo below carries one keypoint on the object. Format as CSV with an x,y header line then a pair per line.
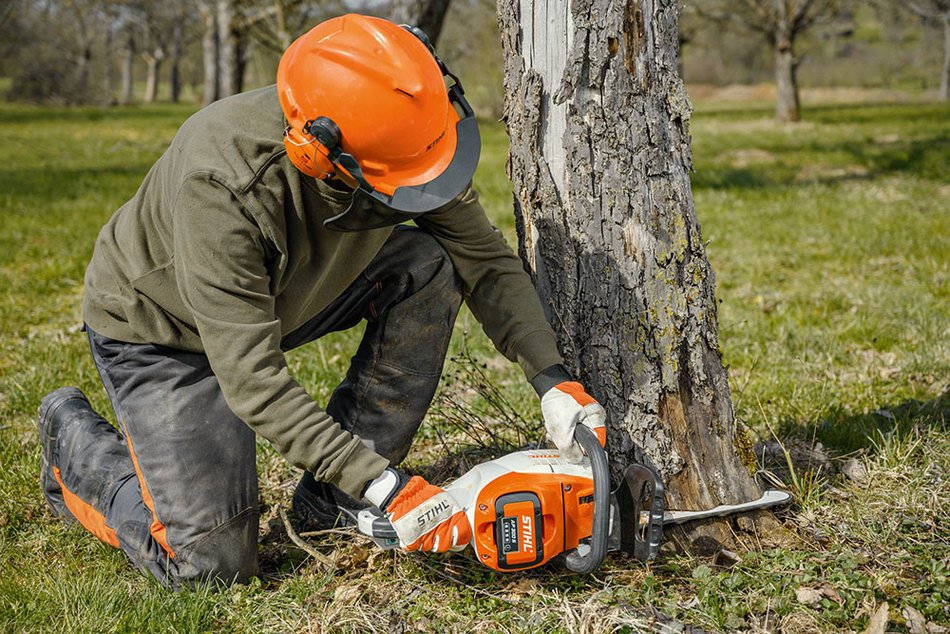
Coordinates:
x,y
428,15
598,119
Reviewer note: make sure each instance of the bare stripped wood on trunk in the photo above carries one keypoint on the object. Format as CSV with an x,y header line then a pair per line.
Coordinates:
x,y
600,160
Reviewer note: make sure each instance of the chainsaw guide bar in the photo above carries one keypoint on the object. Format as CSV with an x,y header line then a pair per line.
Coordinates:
x,y
772,497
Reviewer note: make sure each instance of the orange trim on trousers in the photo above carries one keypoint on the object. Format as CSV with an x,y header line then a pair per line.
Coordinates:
x,y
157,529
89,517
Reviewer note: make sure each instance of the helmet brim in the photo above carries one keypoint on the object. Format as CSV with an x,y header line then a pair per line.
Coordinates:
x,y
371,209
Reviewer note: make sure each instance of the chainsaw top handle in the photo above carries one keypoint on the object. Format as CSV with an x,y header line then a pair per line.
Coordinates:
x,y
574,560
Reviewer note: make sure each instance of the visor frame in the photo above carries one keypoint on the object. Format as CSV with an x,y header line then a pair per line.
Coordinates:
x,y
411,201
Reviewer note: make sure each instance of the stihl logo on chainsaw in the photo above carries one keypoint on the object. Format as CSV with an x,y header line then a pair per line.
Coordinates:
x,y
527,534
432,513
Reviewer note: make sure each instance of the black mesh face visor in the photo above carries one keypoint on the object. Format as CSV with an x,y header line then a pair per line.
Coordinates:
x,y
371,209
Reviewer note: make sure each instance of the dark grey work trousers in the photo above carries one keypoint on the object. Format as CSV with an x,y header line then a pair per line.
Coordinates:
x,y
178,483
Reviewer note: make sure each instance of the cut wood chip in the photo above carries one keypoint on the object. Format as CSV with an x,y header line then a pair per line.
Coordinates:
x,y
813,596
854,470
524,587
878,622
830,593
808,596
346,594
727,558
917,623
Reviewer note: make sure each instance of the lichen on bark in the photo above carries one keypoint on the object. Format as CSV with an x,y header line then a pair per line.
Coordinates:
x,y
600,164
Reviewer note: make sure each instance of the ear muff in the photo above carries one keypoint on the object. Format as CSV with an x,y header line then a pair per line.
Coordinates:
x,y
309,149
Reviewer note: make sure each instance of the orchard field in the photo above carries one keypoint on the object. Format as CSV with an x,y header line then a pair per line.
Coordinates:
x,y
829,239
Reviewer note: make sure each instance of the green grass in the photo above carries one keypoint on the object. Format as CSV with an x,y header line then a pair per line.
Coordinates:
x,y
829,240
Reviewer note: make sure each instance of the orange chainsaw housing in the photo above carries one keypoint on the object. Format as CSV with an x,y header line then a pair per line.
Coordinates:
x,y
521,521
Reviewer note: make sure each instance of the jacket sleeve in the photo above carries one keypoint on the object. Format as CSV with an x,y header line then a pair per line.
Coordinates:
x,y
497,289
220,268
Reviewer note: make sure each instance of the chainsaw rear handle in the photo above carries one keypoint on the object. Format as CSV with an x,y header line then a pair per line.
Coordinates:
x,y
574,560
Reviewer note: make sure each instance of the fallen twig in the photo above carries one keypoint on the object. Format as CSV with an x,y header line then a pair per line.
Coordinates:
x,y
325,561
349,532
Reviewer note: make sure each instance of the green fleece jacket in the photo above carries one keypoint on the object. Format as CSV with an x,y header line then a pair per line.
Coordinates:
x,y
223,250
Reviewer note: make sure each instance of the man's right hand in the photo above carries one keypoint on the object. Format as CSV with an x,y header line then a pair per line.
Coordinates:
x,y
425,516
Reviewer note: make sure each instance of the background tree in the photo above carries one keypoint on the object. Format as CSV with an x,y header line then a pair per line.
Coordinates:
x,y
229,43
276,23
61,73
429,15
469,43
935,13
781,22
157,22
600,162
210,89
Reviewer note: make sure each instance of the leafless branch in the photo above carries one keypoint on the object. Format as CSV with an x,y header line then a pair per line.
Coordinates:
x,y
324,561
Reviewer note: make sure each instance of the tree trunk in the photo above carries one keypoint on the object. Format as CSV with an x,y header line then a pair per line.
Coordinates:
x,y
176,61
242,55
209,50
153,64
281,29
945,77
598,120
128,56
108,78
428,15
82,74
787,105
228,49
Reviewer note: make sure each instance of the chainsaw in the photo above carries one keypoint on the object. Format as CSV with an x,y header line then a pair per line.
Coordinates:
x,y
530,507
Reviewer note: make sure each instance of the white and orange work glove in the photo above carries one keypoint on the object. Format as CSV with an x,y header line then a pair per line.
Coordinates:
x,y
425,516
566,405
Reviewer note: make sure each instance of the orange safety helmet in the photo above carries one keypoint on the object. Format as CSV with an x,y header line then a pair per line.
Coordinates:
x,y
366,101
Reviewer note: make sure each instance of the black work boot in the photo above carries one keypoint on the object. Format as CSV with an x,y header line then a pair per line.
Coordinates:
x,y
57,407
317,506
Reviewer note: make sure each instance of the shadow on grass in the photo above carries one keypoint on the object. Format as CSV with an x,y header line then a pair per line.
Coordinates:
x,y
25,114
920,158
50,185
844,432
876,112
